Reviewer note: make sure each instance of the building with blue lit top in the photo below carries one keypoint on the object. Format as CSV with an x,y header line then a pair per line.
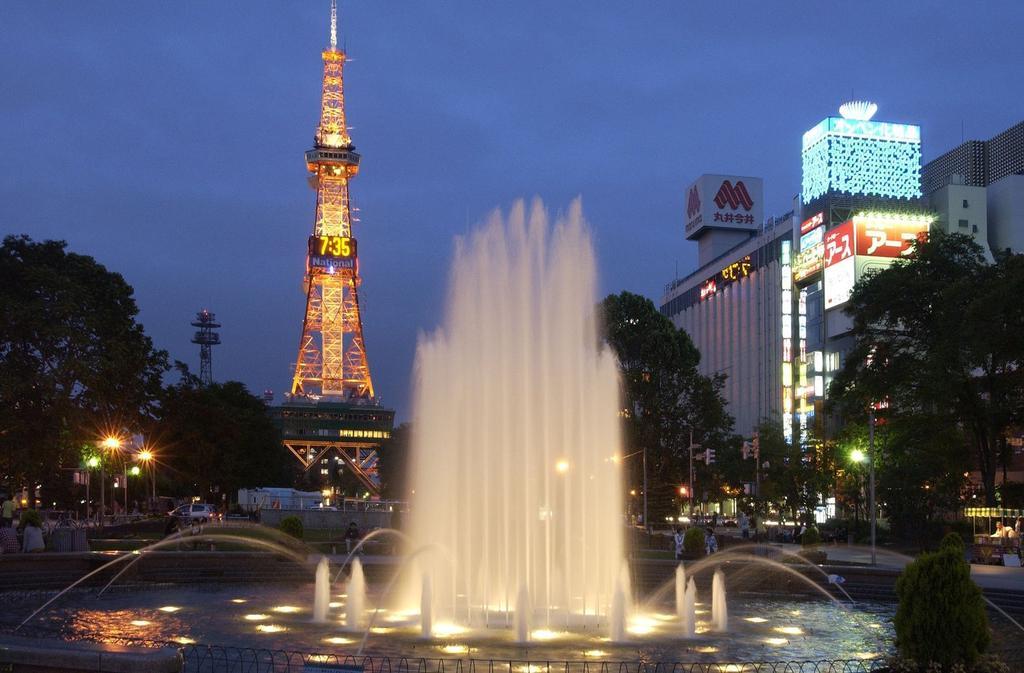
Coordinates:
x,y
862,209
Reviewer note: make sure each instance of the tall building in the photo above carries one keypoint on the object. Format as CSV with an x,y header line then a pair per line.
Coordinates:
x,y
765,306
977,188
731,306
331,421
862,209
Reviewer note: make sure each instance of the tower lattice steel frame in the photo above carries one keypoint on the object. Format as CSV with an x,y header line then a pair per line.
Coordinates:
x,y
207,339
332,421
332,353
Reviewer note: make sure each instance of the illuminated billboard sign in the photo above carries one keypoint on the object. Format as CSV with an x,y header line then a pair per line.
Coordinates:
x,y
866,244
731,273
840,278
812,223
854,156
889,234
809,262
724,202
812,238
839,244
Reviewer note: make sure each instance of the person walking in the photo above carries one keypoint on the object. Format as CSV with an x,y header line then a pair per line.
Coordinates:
x,y
744,526
351,536
710,542
7,511
677,539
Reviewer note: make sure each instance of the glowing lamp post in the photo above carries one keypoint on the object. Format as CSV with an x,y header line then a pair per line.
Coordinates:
x,y
146,457
109,444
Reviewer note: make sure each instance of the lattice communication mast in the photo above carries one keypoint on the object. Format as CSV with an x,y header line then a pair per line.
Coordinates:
x,y
207,339
332,352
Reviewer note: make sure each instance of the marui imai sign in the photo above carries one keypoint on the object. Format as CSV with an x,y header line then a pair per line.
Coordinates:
x,y
724,202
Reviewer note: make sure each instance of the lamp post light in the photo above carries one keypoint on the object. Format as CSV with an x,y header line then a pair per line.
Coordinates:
x,y
91,463
618,460
147,458
109,444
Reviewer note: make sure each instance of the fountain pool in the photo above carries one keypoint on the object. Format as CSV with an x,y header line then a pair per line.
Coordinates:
x,y
761,628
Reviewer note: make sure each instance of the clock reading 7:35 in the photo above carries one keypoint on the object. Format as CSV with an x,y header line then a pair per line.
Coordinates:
x,y
332,246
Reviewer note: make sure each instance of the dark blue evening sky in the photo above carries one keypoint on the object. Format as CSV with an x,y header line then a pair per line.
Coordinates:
x,y
166,138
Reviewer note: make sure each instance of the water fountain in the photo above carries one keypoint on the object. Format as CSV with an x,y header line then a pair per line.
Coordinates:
x,y
689,616
517,431
719,610
322,591
355,597
680,591
426,608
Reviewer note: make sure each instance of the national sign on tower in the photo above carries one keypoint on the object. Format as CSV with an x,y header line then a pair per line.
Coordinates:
x,y
724,202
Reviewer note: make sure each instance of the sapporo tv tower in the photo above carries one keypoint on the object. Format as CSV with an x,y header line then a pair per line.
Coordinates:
x,y
331,420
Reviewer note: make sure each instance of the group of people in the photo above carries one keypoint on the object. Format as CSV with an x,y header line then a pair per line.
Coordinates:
x,y
32,532
1009,532
743,522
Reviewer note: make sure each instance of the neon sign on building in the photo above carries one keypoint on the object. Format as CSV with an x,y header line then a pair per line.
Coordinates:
x,y
729,274
859,156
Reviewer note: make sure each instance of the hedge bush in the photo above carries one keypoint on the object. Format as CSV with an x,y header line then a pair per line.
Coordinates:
x,y
693,541
30,517
291,525
941,615
811,537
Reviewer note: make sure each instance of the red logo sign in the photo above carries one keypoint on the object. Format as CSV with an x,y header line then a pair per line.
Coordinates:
x,y
888,239
812,222
839,244
692,202
733,196
708,289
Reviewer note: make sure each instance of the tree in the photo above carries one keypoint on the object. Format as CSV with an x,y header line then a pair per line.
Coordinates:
x,y
792,480
216,439
74,363
664,396
938,337
941,615
393,463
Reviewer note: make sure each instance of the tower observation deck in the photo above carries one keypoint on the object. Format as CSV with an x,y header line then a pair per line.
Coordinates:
x,y
331,418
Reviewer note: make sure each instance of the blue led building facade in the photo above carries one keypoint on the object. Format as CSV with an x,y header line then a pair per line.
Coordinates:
x,y
861,157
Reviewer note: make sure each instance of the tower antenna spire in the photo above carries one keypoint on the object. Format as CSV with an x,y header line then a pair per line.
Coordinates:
x,y
334,24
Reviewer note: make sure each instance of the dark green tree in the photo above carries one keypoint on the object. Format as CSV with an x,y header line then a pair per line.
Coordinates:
x,y
664,398
938,337
393,463
213,440
941,615
74,362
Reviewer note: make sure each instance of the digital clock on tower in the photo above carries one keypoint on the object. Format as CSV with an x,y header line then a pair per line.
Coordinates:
x,y
333,247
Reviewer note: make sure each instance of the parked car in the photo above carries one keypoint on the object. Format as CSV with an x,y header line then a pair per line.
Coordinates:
x,y
196,513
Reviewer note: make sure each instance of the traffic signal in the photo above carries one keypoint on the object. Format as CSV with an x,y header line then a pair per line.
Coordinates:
x,y
709,456
682,491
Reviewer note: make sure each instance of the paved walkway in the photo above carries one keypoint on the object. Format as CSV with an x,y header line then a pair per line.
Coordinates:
x,y
986,576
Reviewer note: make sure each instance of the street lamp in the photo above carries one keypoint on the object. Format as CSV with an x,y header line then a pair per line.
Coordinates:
x,y
109,443
91,463
618,460
147,458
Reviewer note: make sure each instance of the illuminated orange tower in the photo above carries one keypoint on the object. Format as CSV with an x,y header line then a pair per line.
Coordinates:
x,y
332,352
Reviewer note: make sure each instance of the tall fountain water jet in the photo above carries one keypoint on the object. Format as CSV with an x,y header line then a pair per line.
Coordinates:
x,y
426,608
355,602
719,611
689,610
617,614
523,614
680,590
516,428
322,591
